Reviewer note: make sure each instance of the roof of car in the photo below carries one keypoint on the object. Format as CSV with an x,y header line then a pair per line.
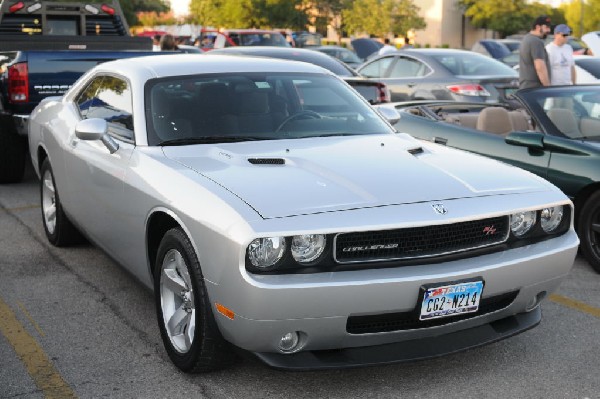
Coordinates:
x,y
189,64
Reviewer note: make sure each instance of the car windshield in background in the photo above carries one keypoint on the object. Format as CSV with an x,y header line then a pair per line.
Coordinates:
x,y
242,107
473,65
573,111
259,39
591,65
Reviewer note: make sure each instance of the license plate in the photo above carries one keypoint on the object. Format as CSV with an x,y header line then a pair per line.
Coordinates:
x,y
451,300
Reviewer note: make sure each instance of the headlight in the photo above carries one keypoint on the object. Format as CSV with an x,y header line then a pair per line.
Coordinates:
x,y
522,222
307,248
551,217
266,252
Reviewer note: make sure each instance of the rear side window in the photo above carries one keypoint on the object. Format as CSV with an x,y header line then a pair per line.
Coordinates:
x,y
408,68
377,69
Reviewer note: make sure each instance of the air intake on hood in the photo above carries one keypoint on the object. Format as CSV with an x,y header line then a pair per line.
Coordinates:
x,y
415,151
266,161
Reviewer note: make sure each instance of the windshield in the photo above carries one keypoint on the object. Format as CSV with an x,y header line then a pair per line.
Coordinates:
x,y
573,112
243,107
472,64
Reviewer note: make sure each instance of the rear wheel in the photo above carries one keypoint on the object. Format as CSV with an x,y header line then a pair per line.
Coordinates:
x,y
187,325
13,153
59,229
588,229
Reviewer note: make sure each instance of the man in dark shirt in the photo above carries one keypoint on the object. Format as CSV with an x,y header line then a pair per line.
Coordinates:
x,y
533,59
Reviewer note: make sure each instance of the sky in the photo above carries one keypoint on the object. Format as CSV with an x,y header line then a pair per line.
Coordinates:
x,y
180,7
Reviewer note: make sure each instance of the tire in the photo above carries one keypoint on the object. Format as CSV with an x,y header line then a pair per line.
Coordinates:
x,y
195,344
13,153
59,229
588,229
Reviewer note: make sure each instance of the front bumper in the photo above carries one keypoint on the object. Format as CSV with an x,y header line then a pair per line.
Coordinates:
x,y
318,306
398,352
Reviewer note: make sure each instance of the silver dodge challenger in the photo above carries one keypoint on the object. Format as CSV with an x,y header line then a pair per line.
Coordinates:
x,y
273,211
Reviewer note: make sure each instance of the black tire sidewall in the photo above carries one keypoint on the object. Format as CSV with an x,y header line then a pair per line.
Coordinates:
x,y
52,237
589,214
176,239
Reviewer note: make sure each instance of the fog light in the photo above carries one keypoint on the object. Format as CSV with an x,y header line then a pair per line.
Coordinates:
x,y
535,301
289,341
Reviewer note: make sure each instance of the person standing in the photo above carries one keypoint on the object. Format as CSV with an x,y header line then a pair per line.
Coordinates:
x,y
533,60
560,56
387,47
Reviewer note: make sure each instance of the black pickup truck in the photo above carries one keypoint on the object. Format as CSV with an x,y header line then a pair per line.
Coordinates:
x,y
45,47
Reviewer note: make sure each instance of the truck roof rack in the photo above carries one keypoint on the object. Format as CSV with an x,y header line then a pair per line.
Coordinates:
x,y
46,18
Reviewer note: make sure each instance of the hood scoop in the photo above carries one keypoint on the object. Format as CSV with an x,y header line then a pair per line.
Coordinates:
x,y
415,151
266,161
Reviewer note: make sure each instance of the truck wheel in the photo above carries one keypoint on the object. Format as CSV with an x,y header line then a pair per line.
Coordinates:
x,y
13,153
187,325
59,229
588,229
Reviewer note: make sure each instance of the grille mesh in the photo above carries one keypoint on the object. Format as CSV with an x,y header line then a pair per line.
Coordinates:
x,y
410,320
418,242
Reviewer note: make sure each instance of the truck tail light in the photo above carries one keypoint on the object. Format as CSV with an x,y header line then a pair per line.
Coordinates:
x,y
107,9
469,89
383,93
18,83
16,7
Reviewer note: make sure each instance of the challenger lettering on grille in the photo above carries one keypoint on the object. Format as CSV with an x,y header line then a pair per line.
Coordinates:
x,y
369,247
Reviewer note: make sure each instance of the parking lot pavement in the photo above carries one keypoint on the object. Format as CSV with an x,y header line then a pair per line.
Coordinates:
x,y
79,325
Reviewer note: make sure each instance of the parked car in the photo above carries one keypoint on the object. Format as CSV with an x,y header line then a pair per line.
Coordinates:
x,y
442,74
499,49
587,69
343,54
373,92
553,132
314,239
249,37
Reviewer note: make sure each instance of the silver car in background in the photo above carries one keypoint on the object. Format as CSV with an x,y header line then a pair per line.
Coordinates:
x,y
270,208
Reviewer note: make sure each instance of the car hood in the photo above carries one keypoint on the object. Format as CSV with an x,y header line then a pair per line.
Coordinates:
x,y
281,178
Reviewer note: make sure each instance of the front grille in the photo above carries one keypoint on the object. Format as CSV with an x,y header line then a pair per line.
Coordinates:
x,y
410,320
420,242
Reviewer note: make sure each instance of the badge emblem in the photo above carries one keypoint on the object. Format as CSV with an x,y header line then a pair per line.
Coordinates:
x,y
439,209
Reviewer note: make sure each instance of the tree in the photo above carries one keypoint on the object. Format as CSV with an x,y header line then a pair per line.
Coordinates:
x,y
249,13
131,7
382,17
504,16
591,15
328,13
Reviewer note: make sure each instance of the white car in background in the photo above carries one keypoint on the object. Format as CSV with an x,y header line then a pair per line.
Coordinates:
x,y
270,208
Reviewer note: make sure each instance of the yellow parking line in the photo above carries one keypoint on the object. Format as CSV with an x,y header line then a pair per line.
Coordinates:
x,y
23,208
573,304
39,367
26,313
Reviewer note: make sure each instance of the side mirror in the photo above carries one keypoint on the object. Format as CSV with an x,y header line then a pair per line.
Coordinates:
x,y
96,129
389,113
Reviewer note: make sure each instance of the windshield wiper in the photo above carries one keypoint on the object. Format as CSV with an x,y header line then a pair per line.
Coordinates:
x,y
210,140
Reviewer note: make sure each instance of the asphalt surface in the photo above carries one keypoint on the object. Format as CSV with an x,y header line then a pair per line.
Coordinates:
x,y
74,324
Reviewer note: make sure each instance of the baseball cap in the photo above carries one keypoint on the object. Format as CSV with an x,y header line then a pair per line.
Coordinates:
x,y
541,20
562,29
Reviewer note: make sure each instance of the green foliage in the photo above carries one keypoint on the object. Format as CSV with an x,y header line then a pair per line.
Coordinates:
x,y
591,15
249,13
382,17
504,16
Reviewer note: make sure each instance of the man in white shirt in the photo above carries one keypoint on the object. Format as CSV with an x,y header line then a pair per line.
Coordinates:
x,y
387,47
560,57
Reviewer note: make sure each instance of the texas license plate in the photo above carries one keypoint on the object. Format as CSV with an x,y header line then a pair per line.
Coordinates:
x,y
451,300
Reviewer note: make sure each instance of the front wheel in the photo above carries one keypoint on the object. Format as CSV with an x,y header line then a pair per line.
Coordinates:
x,y
59,229
187,325
588,229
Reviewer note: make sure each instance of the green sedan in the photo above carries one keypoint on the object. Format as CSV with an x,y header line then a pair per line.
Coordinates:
x,y
553,132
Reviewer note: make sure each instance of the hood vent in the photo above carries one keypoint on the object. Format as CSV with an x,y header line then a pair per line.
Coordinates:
x,y
416,151
266,161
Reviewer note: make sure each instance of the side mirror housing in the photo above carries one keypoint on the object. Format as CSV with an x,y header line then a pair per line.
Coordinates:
x,y
389,113
96,129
